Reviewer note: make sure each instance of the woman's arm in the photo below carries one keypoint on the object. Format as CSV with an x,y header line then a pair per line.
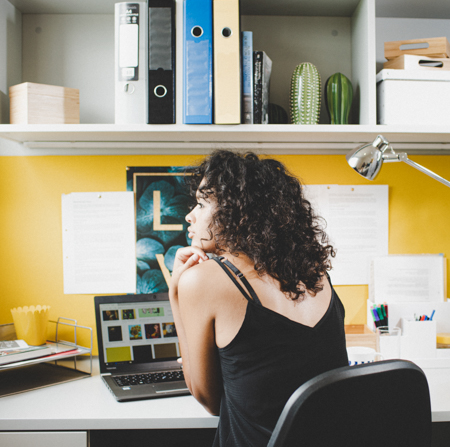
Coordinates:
x,y
194,319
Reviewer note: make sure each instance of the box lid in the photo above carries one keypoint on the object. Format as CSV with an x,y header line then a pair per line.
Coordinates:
x,y
413,75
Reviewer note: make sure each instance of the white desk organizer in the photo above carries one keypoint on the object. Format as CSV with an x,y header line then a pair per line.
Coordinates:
x,y
418,339
407,311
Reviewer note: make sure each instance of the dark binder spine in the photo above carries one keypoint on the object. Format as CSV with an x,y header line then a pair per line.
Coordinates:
x,y
266,72
257,87
161,61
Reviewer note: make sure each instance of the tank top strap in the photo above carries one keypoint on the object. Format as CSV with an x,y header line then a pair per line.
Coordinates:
x,y
252,297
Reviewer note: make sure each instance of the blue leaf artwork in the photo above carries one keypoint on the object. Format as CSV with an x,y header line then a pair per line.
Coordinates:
x,y
169,259
147,249
153,281
161,205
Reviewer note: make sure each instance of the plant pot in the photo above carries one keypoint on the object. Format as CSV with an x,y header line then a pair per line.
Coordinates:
x,y
277,115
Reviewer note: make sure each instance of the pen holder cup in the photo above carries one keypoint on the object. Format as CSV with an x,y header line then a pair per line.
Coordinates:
x,y
358,355
31,324
388,341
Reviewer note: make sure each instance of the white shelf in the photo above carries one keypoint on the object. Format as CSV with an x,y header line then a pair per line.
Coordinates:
x,y
314,139
336,35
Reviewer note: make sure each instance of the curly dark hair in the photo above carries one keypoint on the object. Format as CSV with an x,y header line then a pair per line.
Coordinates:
x,y
262,213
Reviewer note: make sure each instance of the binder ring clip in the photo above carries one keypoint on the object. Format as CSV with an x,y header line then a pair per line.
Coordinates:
x,y
226,32
197,31
157,91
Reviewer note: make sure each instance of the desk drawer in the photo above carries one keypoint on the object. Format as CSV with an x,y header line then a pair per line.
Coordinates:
x,y
43,439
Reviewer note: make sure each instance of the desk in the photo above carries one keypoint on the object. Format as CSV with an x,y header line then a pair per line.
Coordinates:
x,y
86,405
438,375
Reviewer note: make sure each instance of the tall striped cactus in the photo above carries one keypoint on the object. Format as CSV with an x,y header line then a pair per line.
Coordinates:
x,y
338,98
305,94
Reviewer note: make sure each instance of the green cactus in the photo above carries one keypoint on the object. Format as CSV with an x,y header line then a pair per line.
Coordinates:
x,y
338,98
305,94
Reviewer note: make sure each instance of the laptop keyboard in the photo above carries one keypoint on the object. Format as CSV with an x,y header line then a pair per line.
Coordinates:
x,y
142,379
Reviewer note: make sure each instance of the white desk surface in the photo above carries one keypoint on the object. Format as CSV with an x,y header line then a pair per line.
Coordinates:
x,y
438,375
87,404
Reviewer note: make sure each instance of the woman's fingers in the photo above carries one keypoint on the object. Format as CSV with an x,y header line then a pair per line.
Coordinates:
x,y
192,260
185,255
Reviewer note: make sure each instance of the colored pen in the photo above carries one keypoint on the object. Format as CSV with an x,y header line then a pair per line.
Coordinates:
x,y
432,314
379,313
375,317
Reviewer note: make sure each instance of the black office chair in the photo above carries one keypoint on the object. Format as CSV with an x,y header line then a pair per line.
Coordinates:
x,y
379,404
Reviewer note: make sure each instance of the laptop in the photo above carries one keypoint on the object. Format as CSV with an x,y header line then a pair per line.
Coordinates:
x,y
138,347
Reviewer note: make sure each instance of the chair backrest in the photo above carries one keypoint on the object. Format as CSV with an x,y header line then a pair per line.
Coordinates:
x,y
378,404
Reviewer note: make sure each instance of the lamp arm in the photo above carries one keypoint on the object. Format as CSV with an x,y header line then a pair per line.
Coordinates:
x,y
402,156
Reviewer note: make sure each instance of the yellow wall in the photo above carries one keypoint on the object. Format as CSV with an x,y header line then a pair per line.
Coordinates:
x,y
30,223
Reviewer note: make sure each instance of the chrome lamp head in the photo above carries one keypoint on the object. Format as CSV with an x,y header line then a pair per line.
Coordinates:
x,y
367,160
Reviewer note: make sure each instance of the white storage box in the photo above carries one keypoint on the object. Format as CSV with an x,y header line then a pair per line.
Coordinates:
x,y
417,97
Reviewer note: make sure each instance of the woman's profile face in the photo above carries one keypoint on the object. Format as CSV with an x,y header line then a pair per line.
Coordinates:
x,y
199,219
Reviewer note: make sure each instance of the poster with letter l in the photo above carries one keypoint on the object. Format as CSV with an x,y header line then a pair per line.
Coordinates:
x,y
161,204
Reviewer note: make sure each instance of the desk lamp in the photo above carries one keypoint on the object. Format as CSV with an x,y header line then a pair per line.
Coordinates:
x,y
368,159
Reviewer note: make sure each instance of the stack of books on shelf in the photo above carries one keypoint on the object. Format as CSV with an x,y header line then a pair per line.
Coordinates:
x,y
224,80
256,71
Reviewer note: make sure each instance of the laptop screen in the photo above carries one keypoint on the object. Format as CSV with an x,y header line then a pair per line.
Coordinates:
x,y
134,330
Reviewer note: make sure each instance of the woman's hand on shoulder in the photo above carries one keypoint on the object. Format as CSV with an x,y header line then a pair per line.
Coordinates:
x,y
187,257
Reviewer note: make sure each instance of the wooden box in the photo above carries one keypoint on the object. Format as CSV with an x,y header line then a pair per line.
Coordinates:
x,y
360,335
432,47
413,62
43,104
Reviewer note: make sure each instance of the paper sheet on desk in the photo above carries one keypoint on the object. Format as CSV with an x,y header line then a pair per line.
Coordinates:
x,y
358,226
99,242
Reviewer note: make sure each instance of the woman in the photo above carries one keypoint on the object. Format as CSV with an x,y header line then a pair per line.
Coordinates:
x,y
261,318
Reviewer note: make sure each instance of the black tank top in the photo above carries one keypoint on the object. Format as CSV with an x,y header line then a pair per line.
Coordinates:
x,y
269,358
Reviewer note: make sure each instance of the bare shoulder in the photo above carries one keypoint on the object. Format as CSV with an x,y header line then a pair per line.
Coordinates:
x,y
198,281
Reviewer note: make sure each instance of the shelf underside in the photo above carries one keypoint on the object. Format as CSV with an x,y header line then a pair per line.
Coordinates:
x,y
279,138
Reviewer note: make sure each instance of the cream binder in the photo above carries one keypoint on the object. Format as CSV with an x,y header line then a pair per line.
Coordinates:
x,y
227,82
